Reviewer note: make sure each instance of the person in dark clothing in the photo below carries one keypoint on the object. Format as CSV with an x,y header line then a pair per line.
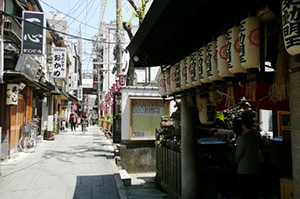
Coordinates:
x,y
84,121
246,157
73,121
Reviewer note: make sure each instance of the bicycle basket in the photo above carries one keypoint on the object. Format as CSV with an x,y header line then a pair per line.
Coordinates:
x,y
25,128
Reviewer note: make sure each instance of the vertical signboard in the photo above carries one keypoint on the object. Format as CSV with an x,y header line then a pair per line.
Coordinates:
x,y
59,62
74,81
12,92
33,33
80,93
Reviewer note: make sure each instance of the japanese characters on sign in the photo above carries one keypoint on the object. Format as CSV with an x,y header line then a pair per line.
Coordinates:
x,y
221,48
233,59
178,77
212,66
79,94
59,63
12,92
188,77
147,108
33,33
207,111
290,25
74,82
172,78
249,36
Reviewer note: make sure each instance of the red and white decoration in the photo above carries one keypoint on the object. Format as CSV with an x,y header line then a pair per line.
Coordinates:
x,y
222,57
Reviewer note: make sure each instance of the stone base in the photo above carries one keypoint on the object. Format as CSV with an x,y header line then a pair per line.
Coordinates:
x,y
138,159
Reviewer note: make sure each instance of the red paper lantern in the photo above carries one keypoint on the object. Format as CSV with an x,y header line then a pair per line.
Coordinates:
x,y
122,78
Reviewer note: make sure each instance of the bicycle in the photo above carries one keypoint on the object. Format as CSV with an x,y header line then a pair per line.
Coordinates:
x,y
29,139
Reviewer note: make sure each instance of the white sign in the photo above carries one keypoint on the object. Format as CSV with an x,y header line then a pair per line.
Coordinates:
x,y
74,82
50,123
80,93
12,92
147,108
59,62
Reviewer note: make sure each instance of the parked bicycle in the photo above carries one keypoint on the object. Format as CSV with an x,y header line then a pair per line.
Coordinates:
x,y
29,141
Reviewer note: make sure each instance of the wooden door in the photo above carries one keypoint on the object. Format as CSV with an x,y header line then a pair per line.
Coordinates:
x,y
17,118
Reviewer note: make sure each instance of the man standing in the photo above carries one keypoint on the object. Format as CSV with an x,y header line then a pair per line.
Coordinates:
x,y
73,121
246,157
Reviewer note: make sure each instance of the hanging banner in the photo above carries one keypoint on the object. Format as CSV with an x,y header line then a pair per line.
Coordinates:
x,y
59,62
290,26
74,81
80,93
233,57
250,43
221,48
33,33
12,92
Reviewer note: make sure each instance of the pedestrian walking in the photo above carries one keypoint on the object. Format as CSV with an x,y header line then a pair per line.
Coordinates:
x,y
73,121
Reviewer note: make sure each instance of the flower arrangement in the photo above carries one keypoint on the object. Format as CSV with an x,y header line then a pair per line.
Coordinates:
x,y
170,143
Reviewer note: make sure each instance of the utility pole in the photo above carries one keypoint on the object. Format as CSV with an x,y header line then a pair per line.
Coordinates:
x,y
118,42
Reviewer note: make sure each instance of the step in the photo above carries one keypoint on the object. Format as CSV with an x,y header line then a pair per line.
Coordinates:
x,y
125,177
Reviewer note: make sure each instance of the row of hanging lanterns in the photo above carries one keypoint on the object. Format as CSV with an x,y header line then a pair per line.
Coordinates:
x,y
115,88
231,54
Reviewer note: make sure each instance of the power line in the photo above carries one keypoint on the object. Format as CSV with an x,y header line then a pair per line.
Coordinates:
x,y
63,33
69,16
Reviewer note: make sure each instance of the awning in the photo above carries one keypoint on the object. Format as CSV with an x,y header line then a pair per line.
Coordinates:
x,y
17,77
173,29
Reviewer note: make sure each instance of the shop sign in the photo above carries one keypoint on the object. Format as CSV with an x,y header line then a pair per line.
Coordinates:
x,y
221,50
290,26
74,81
33,33
27,65
249,36
12,92
233,57
59,62
80,94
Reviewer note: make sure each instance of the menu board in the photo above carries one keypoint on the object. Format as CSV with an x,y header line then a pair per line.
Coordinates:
x,y
145,117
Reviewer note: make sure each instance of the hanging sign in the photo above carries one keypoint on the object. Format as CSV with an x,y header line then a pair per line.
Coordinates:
x,y
59,62
212,66
33,33
12,92
290,27
203,65
250,43
172,78
207,111
80,93
233,57
195,76
183,75
221,48
188,72
168,81
74,82
178,77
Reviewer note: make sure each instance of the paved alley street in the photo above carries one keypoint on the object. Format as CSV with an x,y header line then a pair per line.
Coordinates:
x,y
74,165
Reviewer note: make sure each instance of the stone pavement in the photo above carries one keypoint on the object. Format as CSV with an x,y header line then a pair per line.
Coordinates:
x,y
74,165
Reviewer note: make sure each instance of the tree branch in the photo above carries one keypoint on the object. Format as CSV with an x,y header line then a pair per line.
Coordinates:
x,y
128,29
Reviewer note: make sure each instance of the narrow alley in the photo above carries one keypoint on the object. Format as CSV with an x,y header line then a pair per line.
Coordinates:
x,y
74,165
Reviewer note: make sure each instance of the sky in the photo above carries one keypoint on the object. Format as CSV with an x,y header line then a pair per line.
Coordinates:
x,y
86,15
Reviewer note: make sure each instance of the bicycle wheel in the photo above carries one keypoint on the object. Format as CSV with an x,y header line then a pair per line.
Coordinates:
x,y
27,144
